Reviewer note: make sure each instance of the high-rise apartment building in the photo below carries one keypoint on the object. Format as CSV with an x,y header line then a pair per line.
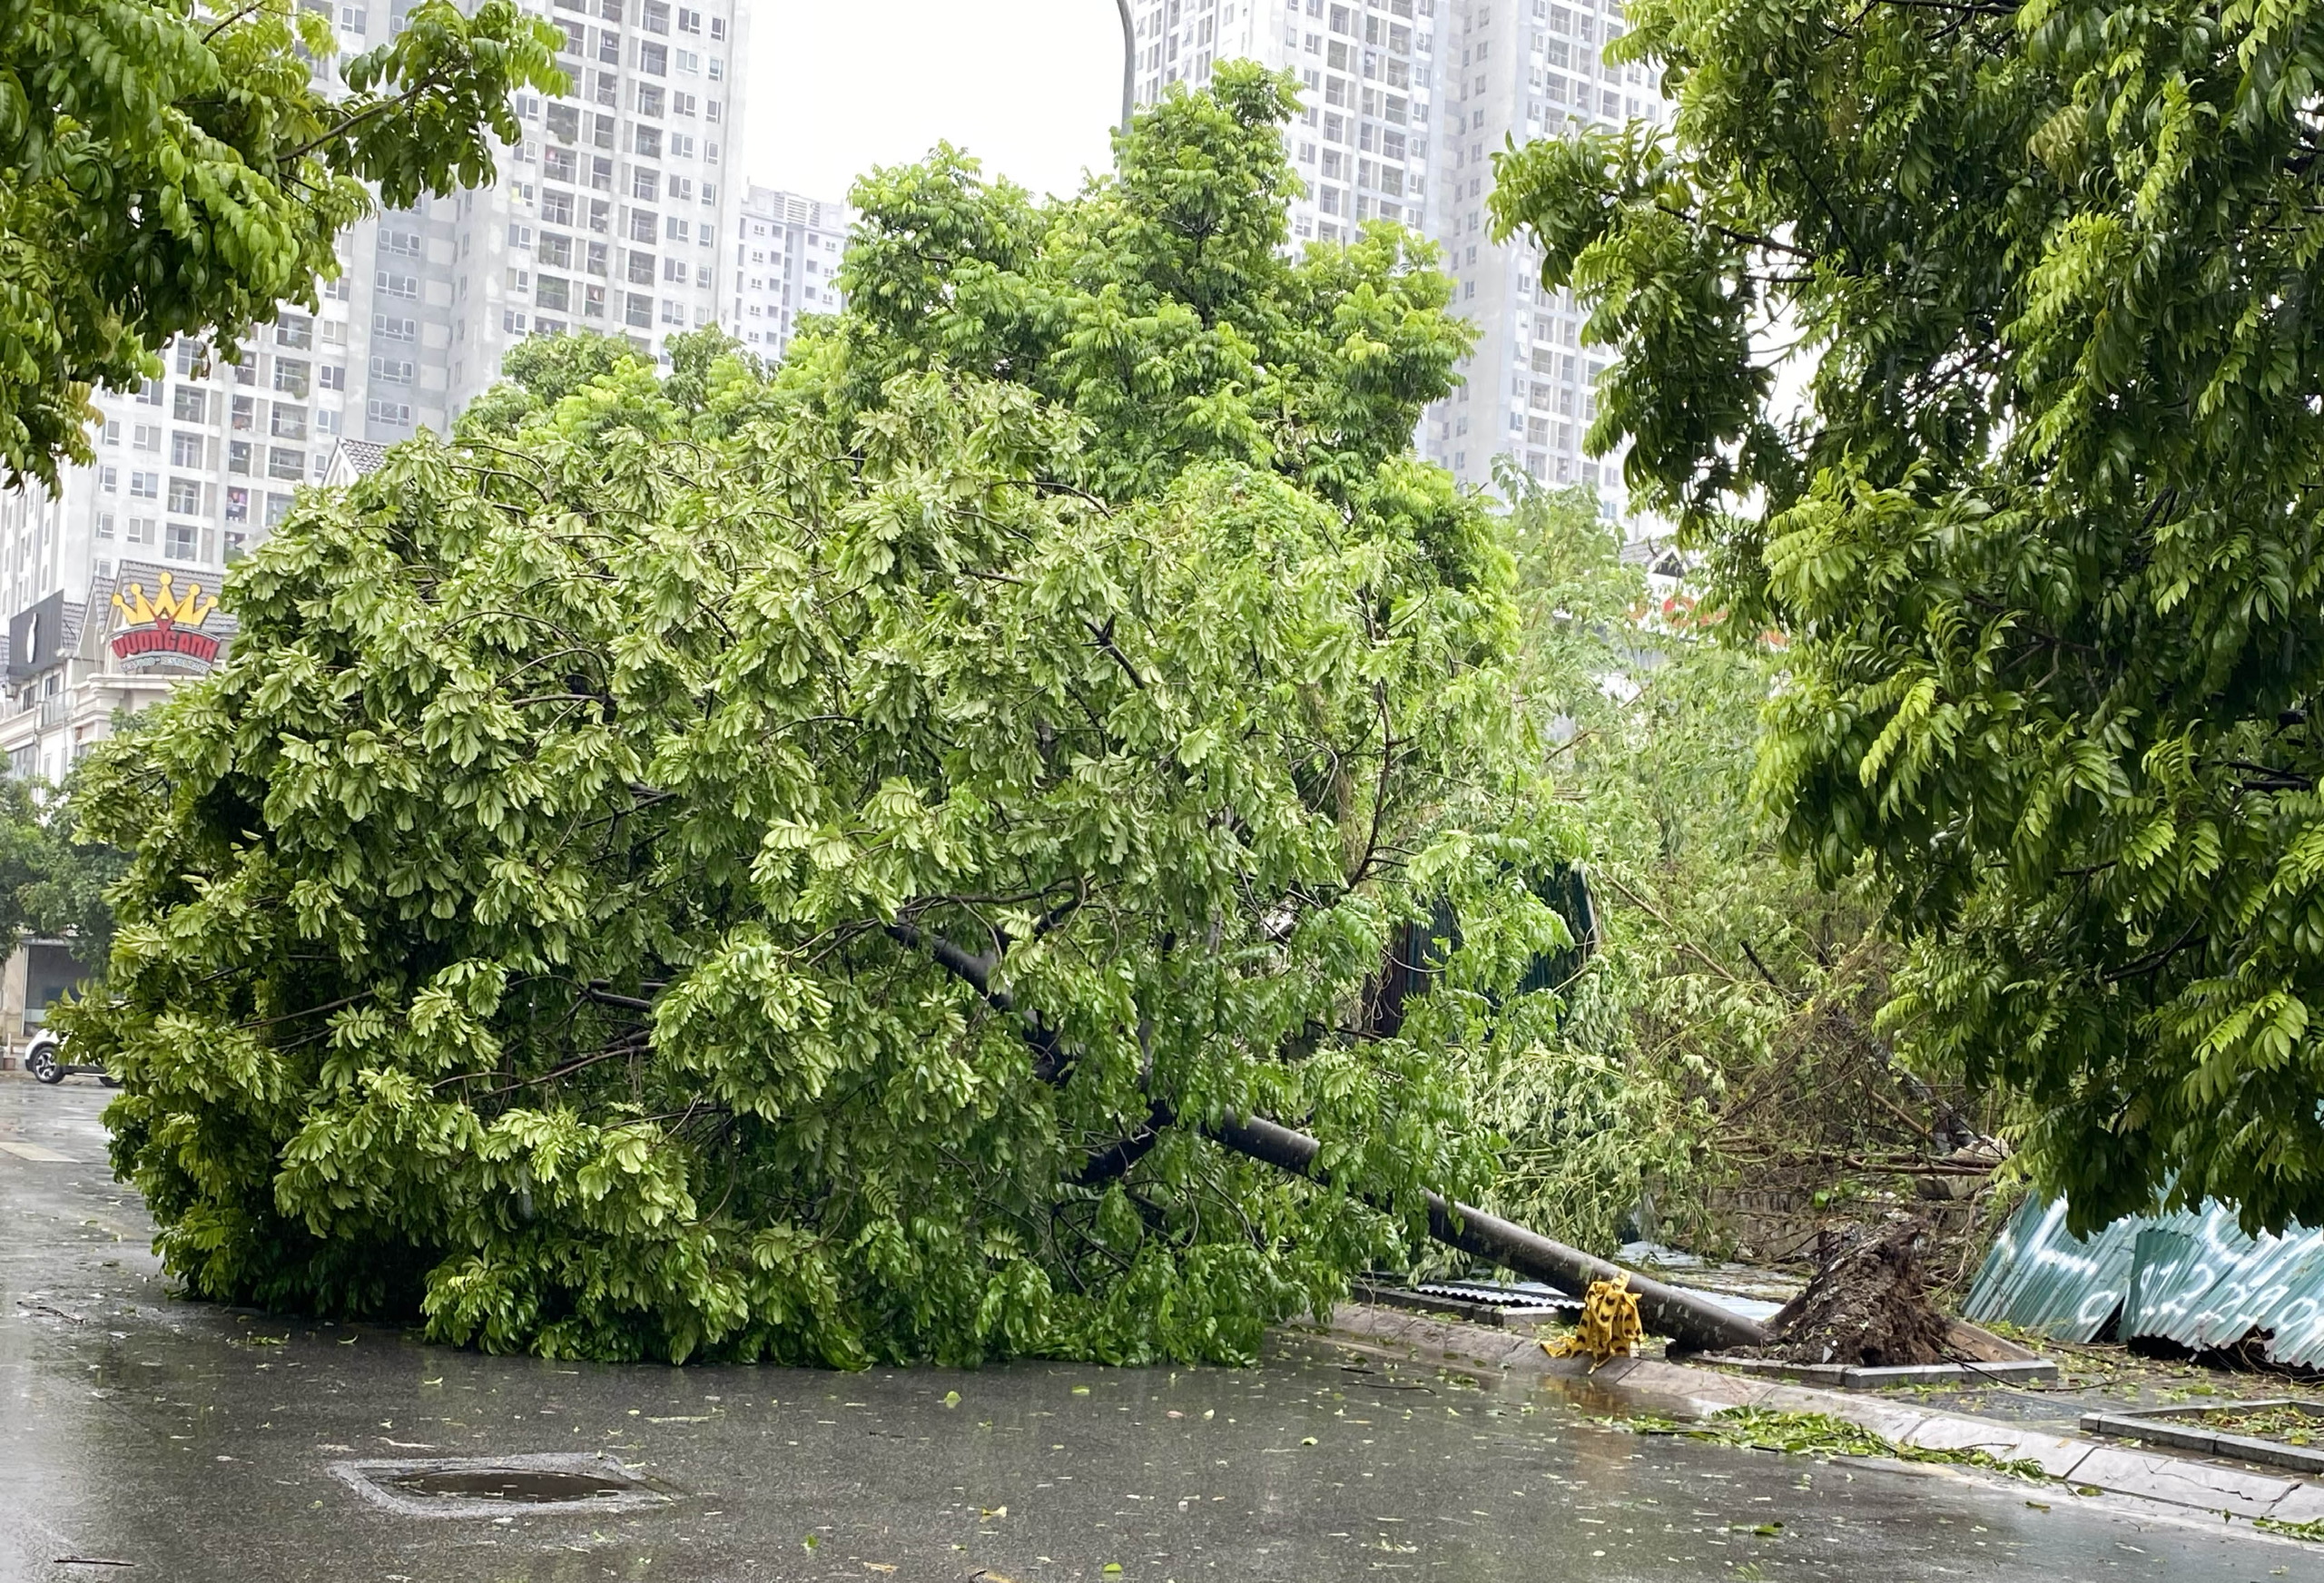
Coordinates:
x,y
607,216
1369,73
783,254
1405,102
1517,70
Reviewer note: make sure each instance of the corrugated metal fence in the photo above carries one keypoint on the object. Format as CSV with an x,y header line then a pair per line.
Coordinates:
x,y
2195,1279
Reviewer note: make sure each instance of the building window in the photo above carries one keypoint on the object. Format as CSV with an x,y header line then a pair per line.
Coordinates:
x,y
193,405
183,542
283,462
278,505
185,449
393,412
145,486
638,309
287,422
646,141
654,59
390,284
105,524
554,292
645,185
332,376
238,455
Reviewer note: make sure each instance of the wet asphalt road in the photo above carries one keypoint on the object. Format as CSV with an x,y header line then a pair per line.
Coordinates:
x,y
199,1444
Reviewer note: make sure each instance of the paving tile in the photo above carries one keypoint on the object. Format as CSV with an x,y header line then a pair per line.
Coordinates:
x,y
2182,1482
2300,1503
1886,1419
2060,1456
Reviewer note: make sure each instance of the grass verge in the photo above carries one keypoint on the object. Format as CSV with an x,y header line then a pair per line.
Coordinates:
x,y
1819,1434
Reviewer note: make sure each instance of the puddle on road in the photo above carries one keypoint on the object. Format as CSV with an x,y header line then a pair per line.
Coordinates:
x,y
462,1487
526,1486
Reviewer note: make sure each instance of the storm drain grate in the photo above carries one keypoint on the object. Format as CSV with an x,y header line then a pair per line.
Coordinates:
x,y
498,1486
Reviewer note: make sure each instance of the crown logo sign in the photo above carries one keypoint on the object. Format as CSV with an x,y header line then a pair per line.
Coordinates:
x,y
167,609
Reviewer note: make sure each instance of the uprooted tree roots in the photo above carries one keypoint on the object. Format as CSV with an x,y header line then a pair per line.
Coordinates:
x,y
1868,1304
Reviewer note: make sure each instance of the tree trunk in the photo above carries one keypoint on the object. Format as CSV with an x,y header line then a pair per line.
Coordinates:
x,y
1695,1324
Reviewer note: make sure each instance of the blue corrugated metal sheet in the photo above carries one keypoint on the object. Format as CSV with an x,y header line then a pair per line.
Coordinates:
x,y
2195,1279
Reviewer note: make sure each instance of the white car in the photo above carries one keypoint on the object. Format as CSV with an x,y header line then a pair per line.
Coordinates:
x,y
44,1059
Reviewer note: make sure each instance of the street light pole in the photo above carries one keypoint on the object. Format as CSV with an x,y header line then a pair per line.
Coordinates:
x,y
1129,61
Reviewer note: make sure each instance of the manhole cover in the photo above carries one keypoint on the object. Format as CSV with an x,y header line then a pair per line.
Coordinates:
x,y
495,1486
526,1486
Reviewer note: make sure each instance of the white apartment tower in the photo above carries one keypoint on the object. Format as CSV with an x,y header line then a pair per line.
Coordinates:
x,y
608,216
1368,72
1517,70
1405,102
783,258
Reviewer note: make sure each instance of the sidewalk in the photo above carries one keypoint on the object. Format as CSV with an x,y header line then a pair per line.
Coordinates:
x,y
1648,1386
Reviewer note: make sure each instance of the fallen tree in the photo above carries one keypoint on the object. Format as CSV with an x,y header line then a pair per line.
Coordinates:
x,y
1695,1324
547,919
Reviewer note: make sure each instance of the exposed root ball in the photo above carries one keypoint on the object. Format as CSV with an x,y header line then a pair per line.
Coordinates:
x,y
1868,1304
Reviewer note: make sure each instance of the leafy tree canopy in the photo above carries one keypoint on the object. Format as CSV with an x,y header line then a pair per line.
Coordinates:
x,y
2042,529
52,882
788,865
166,170
1723,1033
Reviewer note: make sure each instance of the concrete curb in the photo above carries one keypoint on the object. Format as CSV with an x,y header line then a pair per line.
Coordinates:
x,y
1650,1385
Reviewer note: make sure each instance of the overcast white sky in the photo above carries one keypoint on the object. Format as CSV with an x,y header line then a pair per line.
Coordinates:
x,y
1030,87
